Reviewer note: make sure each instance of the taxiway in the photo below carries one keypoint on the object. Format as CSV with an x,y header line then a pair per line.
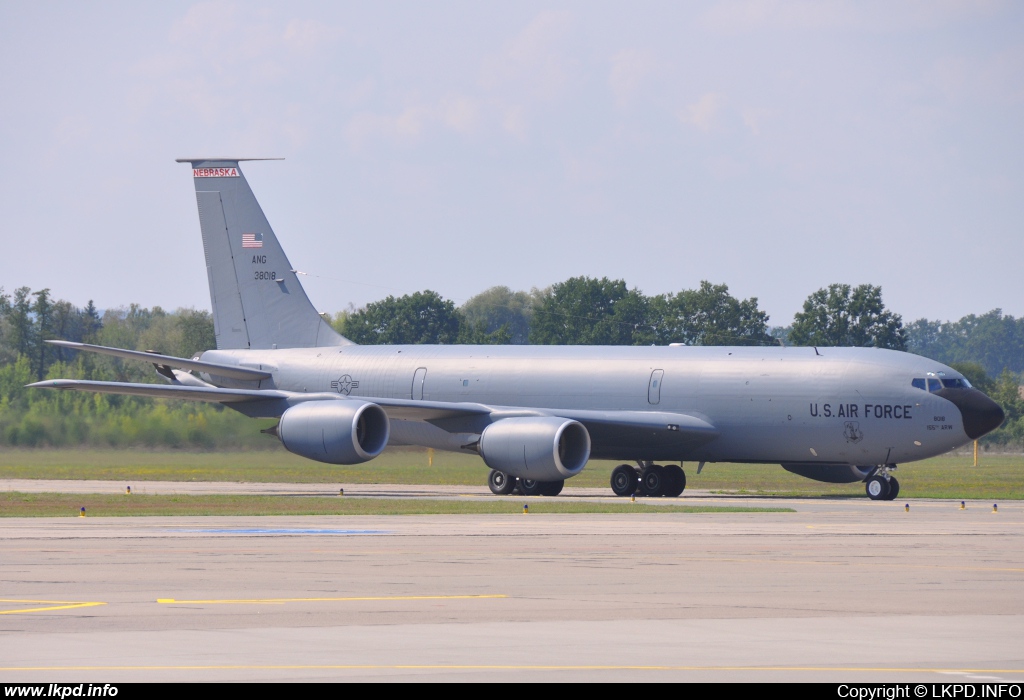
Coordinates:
x,y
841,590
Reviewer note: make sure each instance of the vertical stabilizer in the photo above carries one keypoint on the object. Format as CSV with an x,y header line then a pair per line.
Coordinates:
x,y
257,299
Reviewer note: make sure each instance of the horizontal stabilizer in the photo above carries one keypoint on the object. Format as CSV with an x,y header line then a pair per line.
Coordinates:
x,y
229,371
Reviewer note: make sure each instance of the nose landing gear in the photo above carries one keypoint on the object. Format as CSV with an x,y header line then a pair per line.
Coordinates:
x,y
882,485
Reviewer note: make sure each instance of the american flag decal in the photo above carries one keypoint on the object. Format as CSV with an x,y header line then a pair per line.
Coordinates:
x,y
252,240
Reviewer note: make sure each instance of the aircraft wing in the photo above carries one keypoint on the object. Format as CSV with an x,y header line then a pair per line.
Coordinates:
x,y
629,431
611,432
163,391
271,403
637,434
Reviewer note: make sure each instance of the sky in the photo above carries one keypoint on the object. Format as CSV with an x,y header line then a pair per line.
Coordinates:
x,y
776,147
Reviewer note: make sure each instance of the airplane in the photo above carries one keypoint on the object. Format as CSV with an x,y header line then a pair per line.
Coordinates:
x,y
537,414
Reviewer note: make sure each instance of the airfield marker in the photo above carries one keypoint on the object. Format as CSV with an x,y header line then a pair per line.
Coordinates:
x,y
963,505
526,508
128,490
906,507
995,508
81,514
341,492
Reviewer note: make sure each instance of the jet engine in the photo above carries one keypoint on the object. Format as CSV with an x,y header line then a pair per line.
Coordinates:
x,y
336,432
544,449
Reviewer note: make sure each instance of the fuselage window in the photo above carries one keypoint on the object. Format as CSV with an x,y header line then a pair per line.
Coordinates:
x,y
934,384
956,384
919,384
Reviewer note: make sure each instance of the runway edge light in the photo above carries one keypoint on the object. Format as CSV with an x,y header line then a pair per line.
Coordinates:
x,y
81,513
526,508
995,508
963,505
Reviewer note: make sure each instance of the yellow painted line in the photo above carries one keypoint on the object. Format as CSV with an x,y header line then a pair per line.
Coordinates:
x,y
495,667
50,605
172,601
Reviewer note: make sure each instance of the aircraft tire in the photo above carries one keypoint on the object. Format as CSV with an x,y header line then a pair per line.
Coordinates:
x,y
675,481
894,489
500,483
624,480
877,488
652,480
529,487
551,488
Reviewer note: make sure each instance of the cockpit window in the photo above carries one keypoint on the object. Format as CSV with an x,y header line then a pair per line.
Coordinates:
x,y
934,385
919,384
956,383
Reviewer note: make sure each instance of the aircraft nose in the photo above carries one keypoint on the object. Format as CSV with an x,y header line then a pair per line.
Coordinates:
x,y
981,414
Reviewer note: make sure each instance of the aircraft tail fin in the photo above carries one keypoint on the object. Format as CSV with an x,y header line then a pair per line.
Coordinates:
x,y
257,299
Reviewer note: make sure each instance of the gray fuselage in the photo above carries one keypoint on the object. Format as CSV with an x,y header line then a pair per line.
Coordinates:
x,y
852,406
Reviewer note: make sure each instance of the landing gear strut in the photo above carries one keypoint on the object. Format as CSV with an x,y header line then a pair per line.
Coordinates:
x,y
650,480
882,485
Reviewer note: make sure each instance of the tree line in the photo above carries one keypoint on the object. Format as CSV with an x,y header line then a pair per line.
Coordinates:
x,y
32,417
591,311
988,349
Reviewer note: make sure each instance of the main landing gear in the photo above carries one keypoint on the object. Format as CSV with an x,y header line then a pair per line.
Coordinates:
x,y
882,485
649,480
502,484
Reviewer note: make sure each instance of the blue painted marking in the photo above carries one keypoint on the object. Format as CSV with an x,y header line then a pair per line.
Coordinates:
x,y
284,531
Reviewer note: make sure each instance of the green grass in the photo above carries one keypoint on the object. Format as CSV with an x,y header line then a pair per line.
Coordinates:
x,y
998,476
14,504
395,466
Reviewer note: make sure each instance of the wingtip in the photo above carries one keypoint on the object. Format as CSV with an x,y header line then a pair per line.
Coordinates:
x,y
50,384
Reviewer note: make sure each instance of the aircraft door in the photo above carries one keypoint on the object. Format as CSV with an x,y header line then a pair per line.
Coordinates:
x,y
654,387
417,383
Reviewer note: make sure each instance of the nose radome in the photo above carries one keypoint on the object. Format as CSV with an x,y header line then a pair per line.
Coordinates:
x,y
981,414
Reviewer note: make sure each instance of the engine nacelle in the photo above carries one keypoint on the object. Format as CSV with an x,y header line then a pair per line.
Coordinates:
x,y
545,449
336,432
